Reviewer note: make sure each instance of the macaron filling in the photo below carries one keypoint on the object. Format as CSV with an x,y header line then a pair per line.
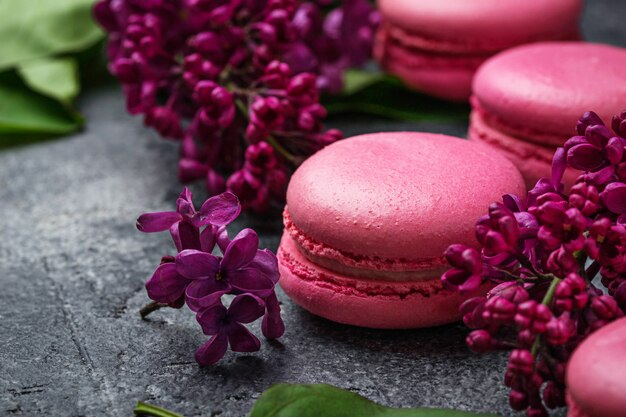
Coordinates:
x,y
415,40
360,266
295,261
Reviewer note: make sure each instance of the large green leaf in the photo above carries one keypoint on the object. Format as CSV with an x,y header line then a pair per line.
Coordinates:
x,y
378,94
286,400
53,77
26,116
31,29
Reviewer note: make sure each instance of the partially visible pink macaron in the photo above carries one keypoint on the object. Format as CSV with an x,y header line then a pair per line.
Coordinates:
x,y
596,374
368,219
436,46
526,101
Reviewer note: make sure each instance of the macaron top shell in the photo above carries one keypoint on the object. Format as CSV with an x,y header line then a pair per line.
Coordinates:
x,y
547,87
398,195
596,373
485,21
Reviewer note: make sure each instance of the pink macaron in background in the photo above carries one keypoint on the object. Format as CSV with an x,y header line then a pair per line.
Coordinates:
x,y
436,46
368,219
596,374
527,100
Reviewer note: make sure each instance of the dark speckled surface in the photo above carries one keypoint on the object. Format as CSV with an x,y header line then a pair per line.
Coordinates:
x,y
72,269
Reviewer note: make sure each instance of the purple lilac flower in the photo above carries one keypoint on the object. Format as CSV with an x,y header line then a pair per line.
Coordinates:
x,y
167,286
596,147
243,269
466,276
543,254
332,42
184,223
200,279
226,326
225,76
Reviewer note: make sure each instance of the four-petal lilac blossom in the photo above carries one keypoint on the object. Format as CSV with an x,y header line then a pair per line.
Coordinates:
x,y
243,269
184,223
561,226
226,328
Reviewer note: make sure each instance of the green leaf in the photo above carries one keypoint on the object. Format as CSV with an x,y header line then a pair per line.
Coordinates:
x,y
381,95
286,400
148,410
54,77
32,29
356,80
26,116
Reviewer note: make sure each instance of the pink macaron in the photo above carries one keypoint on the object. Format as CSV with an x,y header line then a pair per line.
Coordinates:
x,y
368,219
436,46
596,374
526,101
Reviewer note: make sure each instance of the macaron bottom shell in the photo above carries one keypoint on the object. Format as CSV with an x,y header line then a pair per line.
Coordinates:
x,y
573,409
365,302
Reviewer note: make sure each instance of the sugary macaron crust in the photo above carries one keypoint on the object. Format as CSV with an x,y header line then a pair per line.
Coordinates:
x,y
526,101
596,374
367,221
437,46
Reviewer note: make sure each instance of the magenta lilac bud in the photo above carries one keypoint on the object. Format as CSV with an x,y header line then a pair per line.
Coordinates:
x,y
614,197
560,330
619,124
571,294
499,311
605,308
479,341
585,197
533,316
465,276
521,361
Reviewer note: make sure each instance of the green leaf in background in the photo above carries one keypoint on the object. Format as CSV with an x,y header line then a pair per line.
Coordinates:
x,y
32,29
286,400
378,94
26,115
149,410
357,80
53,77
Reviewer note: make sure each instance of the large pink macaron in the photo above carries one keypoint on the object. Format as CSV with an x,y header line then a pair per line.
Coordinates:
x,y
527,100
368,219
436,46
596,374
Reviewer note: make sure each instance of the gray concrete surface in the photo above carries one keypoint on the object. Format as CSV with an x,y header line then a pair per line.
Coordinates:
x,y
72,269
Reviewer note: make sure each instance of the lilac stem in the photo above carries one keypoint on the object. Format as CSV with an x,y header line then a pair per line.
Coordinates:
x,y
149,308
547,300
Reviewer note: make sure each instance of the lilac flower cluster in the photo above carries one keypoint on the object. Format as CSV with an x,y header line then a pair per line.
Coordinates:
x,y
236,81
542,254
333,36
200,279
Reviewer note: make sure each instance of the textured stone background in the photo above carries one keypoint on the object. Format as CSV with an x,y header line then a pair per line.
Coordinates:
x,y
72,269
